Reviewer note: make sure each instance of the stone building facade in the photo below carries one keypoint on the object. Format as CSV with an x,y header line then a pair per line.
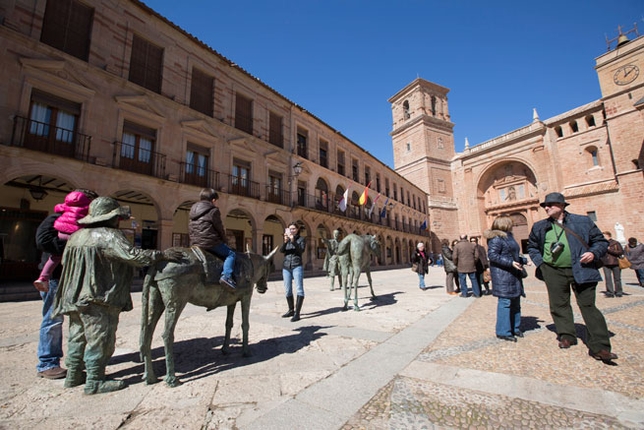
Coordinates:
x,y
593,154
111,96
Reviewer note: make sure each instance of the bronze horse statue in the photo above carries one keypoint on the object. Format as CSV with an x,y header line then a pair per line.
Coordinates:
x,y
354,254
169,286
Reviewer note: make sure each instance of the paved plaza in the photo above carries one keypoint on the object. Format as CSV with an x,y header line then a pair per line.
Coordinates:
x,y
411,359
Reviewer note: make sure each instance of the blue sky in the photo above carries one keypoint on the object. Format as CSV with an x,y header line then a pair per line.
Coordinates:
x,y
343,59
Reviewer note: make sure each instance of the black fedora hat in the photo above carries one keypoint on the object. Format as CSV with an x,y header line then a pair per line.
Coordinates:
x,y
554,198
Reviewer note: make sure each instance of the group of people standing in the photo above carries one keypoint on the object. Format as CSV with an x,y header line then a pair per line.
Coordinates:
x,y
465,259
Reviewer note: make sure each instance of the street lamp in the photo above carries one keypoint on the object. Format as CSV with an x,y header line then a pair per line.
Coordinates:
x,y
37,193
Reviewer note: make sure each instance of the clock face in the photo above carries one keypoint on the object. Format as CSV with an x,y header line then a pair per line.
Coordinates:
x,y
626,74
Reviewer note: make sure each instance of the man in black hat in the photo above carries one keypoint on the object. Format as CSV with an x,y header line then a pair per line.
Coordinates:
x,y
95,289
565,248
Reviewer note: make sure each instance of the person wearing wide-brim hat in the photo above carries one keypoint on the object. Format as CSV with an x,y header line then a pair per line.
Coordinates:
x,y
565,248
95,288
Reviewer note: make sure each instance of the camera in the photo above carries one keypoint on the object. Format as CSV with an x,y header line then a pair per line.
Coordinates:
x,y
556,248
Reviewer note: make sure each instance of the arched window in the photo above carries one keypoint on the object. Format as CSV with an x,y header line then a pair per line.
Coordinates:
x,y
593,154
590,121
574,127
406,114
559,131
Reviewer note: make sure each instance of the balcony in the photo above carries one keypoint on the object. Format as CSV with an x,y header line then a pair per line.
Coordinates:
x,y
243,187
43,137
276,196
204,178
138,160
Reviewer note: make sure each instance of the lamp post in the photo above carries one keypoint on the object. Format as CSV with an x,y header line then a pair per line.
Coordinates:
x,y
297,169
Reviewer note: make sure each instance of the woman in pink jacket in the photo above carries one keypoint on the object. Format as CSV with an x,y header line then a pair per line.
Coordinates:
x,y
76,206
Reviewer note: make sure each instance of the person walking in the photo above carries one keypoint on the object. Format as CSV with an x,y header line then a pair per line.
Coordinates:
x,y
292,270
422,261
565,248
465,255
611,267
482,264
206,230
451,274
635,253
506,264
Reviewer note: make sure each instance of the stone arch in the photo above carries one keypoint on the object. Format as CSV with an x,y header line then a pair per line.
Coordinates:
x,y
240,224
322,197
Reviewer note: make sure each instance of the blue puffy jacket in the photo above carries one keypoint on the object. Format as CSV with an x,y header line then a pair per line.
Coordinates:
x,y
587,230
502,251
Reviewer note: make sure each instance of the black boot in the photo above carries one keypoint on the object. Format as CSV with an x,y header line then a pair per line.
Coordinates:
x,y
298,308
290,313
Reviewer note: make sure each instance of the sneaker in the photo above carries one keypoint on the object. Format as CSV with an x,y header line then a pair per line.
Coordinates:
x,y
41,285
227,282
53,373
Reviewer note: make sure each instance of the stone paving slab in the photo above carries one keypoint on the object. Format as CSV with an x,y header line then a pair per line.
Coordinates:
x,y
410,359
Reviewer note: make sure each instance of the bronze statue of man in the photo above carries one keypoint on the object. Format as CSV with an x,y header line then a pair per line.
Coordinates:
x,y
94,289
331,264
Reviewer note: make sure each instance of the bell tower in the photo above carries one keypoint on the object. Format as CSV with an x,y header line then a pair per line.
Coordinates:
x,y
423,144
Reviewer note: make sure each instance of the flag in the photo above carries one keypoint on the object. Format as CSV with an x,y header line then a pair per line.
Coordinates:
x,y
383,213
423,226
363,197
373,205
342,204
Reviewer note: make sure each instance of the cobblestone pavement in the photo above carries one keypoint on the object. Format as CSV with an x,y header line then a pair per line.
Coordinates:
x,y
409,359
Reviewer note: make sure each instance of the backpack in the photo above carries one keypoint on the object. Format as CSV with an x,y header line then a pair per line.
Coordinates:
x,y
47,236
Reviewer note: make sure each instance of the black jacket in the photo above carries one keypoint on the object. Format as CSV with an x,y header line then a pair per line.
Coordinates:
x,y
423,263
293,252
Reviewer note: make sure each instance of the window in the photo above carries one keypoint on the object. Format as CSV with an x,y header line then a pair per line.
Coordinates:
x,y
201,92
302,143
395,192
67,25
406,114
146,64
243,114
267,244
367,175
590,121
593,155
241,177
275,133
324,154
355,171
274,187
378,182
137,148
52,124
574,127
408,147
196,170
433,108
559,131
387,187
340,162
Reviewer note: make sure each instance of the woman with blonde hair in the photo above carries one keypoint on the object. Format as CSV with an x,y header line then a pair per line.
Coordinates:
x,y
506,268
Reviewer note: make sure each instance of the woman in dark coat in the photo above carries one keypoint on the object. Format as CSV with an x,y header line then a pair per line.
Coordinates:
x,y
451,274
422,260
506,264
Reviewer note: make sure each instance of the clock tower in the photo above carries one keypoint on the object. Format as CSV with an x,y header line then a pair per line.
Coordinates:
x,y
423,145
621,79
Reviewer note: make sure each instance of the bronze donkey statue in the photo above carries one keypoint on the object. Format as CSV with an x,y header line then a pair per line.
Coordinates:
x,y
169,286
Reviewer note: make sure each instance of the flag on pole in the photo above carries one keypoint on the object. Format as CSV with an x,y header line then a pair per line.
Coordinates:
x,y
342,204
423,226
364,196
373,205
383,213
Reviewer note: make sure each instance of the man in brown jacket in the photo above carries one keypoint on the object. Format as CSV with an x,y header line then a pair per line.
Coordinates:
x,y
465,256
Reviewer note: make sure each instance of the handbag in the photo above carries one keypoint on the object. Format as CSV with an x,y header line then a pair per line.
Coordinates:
x,y
414,267
623,262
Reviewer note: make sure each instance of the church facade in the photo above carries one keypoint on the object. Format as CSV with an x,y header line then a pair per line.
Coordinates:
x,y
593,154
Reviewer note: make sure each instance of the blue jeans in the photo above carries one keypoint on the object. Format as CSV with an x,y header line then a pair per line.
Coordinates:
x,y
297,274
508,316
227,254
50,344
640,276
421,279
476,290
